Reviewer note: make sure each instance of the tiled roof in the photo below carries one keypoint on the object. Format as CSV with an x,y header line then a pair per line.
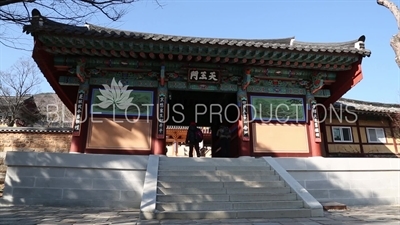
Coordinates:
x,y
355,46
368,107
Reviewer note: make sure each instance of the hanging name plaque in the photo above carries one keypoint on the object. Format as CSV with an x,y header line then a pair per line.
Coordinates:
x,y
78,114
245,121
161,117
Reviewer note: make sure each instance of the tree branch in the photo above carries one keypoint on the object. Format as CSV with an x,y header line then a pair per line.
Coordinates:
x,y
9,2
392,8
73,11
395,40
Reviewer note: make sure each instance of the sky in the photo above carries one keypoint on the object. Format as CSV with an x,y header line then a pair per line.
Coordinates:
x,y
308,21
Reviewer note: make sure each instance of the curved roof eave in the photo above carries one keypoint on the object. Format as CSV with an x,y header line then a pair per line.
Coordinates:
x,y
40,23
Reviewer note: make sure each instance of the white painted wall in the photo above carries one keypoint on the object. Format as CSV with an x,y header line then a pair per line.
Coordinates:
x,y
352,181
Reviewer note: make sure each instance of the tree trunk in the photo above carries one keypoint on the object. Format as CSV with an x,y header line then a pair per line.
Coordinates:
x,y
395,40
395,43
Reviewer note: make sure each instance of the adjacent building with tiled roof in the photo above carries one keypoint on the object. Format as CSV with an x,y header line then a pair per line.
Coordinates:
x,y
368,107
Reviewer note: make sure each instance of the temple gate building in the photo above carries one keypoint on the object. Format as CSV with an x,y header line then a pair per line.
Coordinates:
x,y
129,87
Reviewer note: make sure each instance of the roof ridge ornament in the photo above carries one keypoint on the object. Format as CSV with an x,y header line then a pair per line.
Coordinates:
x,y
37,18
360,44
292,41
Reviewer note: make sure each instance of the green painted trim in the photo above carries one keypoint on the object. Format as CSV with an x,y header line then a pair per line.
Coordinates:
x,y
178,48
323,93
177,85
276,90
130,83
68,81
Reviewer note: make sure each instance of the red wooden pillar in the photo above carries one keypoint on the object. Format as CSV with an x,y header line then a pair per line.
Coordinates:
x,y
159,119
78,142
243,124
244,145
75,145
81,119
314,130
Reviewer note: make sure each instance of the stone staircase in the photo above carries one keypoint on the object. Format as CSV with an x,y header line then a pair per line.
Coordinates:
x,y
205,188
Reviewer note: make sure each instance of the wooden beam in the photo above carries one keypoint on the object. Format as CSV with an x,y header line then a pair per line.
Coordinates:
x,y
114,53
87,52
198,58
170,56
225,60
74,50
180,57
151,55
234,60
161,56
188,58
345,81
243,61
249,53
143,55
104,52
61,68
260,62
123,53
133,54
207,59
216,59
252,61
328,82
53,49
276,78
95,52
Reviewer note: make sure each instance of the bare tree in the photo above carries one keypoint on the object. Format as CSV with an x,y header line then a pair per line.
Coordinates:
x,y
53,111
395,40
16,88
72,11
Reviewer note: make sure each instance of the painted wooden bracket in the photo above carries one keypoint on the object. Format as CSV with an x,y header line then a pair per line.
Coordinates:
x,y
80,70
246,80
317,82
162,76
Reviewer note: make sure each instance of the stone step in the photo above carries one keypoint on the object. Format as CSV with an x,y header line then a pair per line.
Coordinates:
x,y
213,168
217,178
210,160
216,184
221,190
201,206
163,164
216,173
229,214
227,198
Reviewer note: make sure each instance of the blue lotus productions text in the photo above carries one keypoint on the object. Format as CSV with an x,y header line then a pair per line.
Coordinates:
x,y
213,111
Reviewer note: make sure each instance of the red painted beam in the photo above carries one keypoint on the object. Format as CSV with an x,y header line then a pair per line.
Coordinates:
x,y
345,81
45,63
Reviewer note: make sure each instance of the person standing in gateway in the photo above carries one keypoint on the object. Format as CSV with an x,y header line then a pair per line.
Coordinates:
x,y
224,135
193,137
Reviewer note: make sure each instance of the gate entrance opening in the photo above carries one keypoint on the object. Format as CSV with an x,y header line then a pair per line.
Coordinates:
x,y
207,109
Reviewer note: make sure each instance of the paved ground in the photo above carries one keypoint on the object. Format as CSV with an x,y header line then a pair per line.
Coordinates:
x,y
388,215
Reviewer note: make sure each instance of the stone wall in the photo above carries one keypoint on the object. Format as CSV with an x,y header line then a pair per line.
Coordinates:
x,y
35,139
351,181
31,140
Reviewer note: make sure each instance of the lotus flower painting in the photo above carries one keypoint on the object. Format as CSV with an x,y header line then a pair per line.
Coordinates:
x,y
117,99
